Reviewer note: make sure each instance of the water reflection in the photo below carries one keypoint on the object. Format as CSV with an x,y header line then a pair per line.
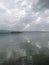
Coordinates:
x,y
23,47
38,44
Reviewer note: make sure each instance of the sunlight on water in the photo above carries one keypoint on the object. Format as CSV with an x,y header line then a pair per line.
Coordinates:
x,y
48,44
28,41
37,44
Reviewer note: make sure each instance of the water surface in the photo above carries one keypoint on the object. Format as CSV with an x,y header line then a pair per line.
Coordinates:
x,y
22,42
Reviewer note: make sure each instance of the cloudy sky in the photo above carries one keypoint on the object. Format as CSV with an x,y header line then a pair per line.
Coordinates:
x,y
24,15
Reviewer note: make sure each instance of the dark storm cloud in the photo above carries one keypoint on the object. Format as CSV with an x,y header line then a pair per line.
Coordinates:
x,y
42,5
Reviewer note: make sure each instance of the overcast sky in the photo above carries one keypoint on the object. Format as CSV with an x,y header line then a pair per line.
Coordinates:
x,y
24,15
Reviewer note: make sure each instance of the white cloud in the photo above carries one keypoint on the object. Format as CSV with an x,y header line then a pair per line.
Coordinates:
x,y
22,15
26,27
38,20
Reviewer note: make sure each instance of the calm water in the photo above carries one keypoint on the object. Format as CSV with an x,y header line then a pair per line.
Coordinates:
x,y
23,42
14,40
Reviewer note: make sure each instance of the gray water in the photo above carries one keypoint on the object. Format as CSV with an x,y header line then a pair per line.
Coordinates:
x,y
22,42
14,40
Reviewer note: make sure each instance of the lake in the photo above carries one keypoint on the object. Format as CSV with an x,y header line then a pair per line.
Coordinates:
x,y
23,43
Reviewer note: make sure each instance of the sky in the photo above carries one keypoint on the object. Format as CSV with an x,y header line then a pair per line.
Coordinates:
x,y
24,15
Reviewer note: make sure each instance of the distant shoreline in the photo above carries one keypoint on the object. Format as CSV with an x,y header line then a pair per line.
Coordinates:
x,y
18,32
